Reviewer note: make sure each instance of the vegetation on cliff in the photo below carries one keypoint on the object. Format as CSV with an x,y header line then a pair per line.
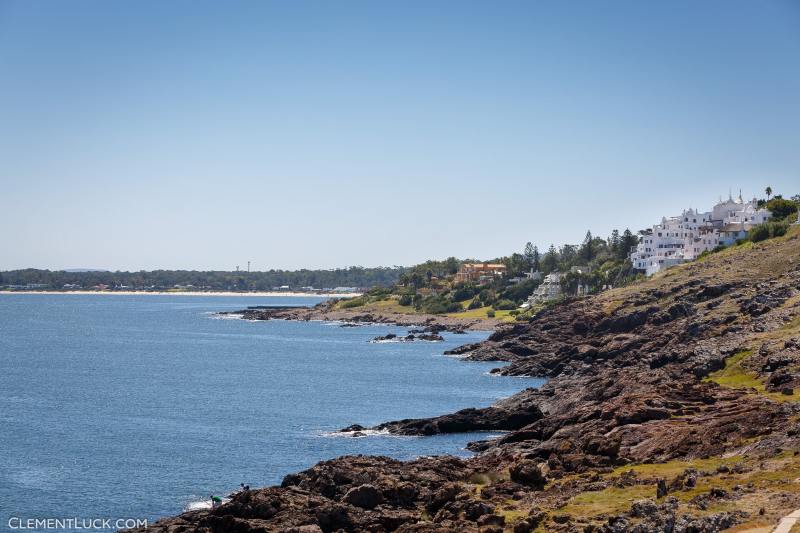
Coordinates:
x,y
672,405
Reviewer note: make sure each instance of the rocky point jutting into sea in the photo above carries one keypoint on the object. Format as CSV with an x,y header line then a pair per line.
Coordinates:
x,y
672,405
351,317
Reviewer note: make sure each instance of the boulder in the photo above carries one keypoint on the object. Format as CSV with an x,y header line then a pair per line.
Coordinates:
x,y
473,511
364,496
661,488
529,473
491,520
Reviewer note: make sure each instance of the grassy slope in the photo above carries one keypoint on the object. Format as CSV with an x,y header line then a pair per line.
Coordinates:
x,y
392,306
774,480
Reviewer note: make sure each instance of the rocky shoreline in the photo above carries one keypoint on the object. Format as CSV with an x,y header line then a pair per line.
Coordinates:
x,y
670,406
353,317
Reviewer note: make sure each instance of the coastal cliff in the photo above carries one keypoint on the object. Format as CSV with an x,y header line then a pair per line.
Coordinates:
x,y
671,405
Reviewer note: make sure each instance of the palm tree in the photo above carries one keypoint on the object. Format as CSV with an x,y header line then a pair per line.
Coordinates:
x,y
768,190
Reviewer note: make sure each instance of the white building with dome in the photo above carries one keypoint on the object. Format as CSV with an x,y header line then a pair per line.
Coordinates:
x,y
683,238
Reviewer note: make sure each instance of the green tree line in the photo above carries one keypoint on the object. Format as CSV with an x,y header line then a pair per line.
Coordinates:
x,y
209,280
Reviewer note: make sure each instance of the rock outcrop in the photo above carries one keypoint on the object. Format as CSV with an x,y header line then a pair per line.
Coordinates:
x,y
663,398
420,322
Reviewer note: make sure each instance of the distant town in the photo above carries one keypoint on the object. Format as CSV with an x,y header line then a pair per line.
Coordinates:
x,y
508,287
177,289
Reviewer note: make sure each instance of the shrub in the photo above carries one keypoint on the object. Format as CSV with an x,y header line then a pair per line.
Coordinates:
x,y
778,229
781,208
520,291
354,302
463,292
768,230
490,313
504,305
379,293
405,299
439,307
475,304
453,307
434,308
759,233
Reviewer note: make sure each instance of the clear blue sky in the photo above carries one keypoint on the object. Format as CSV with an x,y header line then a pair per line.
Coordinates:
x,y
188,134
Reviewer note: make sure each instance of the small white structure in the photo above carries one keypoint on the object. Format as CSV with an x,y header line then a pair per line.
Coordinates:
x,y
683,238
550,289
582,288
534,275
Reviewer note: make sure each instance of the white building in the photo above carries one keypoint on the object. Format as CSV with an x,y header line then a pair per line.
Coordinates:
x,y
550,289
683,238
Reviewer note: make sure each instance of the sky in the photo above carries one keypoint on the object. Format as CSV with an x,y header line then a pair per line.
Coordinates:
x,y
300,134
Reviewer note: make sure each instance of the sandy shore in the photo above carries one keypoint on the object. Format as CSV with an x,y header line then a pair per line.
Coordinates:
x,y
198,293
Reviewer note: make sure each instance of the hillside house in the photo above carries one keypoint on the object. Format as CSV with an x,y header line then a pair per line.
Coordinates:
x,y
550,289
480,273
683,238
534,275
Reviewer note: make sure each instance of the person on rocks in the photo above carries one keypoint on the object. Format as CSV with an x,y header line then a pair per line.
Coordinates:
x,y
216,501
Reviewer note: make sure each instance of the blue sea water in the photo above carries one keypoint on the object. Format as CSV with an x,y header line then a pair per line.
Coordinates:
x,y
126,406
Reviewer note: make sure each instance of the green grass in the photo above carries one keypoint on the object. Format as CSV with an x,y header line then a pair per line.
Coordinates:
x,y
776,474
736,376
480,312
673,468
512,515
613,500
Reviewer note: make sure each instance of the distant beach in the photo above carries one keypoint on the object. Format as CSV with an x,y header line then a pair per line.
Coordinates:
x,y
199,293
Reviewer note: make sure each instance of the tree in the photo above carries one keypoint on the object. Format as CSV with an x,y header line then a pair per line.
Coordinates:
x,y
529,253
569,255
517,264
587,251
550,260
451,265
628,241
768,190
613,242
781,208
535,263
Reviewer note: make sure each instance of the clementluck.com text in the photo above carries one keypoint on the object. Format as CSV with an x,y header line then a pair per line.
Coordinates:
x,y
17,523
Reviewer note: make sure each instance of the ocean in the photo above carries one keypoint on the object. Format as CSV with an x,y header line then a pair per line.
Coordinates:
x,y
141,406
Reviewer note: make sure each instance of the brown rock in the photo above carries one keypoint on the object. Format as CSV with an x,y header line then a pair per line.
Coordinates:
x,y
364,496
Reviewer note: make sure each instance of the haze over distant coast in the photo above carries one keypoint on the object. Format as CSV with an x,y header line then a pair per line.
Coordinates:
x,y
294,294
